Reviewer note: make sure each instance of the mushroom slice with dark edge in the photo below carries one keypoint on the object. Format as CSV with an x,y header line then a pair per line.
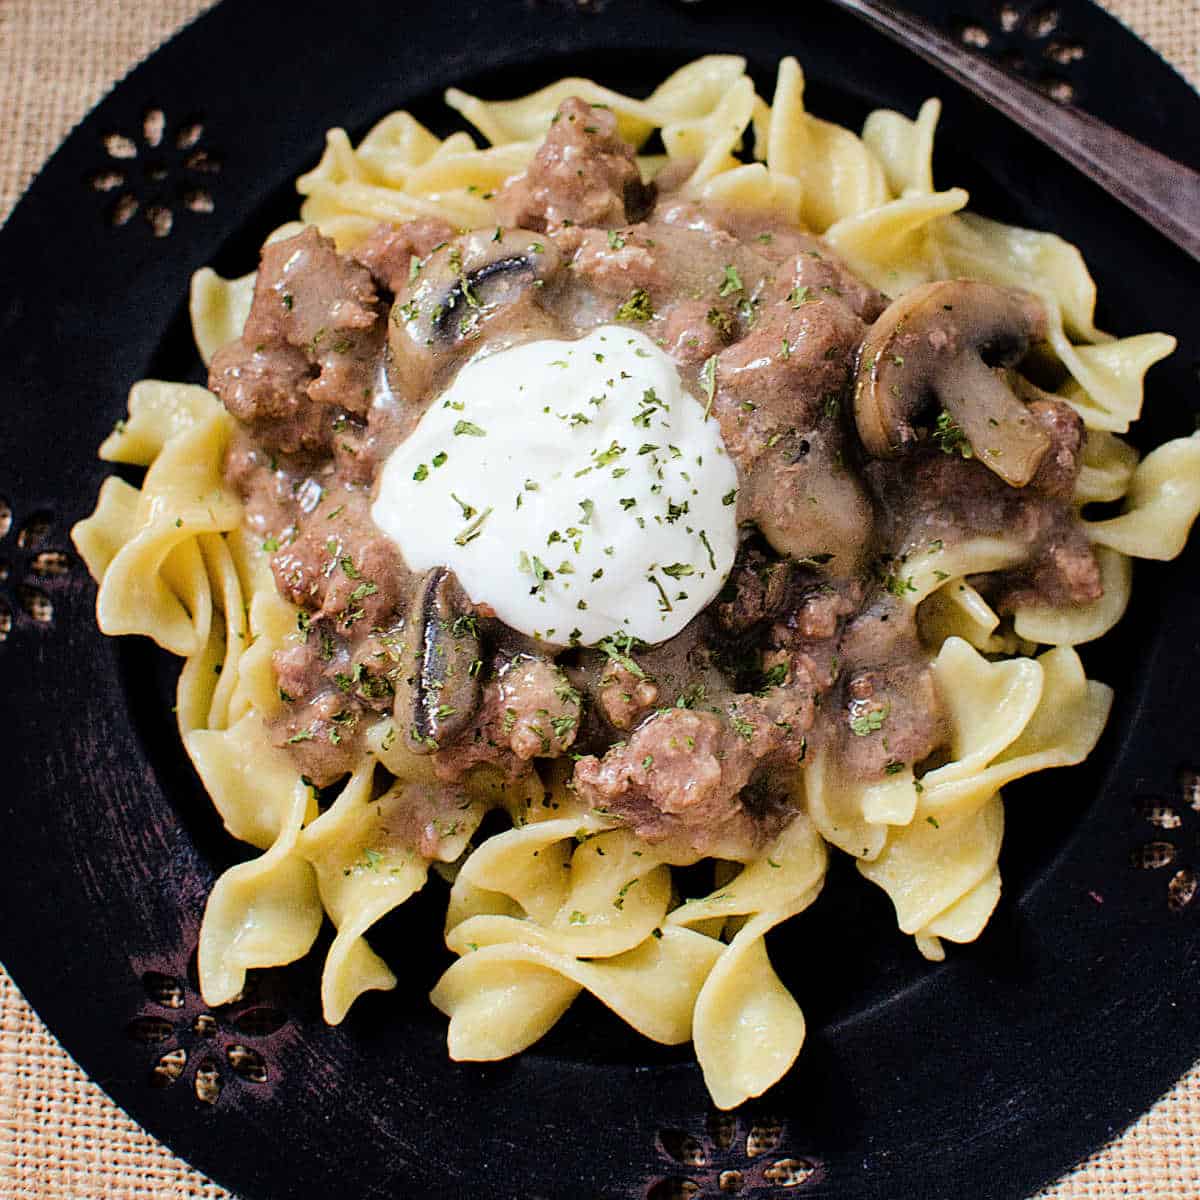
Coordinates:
x,y
944,341
437,700
473,274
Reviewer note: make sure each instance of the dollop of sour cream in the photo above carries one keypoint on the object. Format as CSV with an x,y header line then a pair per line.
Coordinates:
x,y
575,487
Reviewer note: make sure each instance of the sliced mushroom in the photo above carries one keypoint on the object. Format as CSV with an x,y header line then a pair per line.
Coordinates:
x,y
471,285
943,342
468,278
438,699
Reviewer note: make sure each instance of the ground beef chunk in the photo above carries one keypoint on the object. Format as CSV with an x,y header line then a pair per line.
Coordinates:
x,y
540,710
582,173
1064,572
779,398
893,717
820,609
431,818
389,250
815,271
780,375
306,291
529,710
298,671
324,734
803,260
695,330
616,266
623,697
891,712
680,777
266,388
756,591
1059,470
948,497
344,569
311,345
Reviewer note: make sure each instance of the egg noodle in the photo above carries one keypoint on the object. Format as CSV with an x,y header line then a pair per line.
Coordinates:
x,y
563,901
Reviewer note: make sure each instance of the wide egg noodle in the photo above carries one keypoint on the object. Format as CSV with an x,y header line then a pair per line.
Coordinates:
x,y
156,583
100,536
748,1030
271,623
1161,504
904,148
567,900
692,91
1008,719
347,195
501,998
261,913
1082,623
957,609
157,412
363,872
1106,468
218,308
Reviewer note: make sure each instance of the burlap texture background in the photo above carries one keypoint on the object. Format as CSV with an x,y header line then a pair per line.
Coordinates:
x,y
60,1136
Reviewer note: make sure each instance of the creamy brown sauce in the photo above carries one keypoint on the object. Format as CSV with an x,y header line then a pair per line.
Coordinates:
x,y
847,421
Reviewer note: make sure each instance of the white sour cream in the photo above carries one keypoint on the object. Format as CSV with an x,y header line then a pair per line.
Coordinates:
x,y
574,487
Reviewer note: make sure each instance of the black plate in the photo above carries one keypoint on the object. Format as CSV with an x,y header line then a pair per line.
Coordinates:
x,y
983,1077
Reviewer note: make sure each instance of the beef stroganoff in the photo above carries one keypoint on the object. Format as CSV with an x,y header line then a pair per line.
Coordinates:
x,y
718,506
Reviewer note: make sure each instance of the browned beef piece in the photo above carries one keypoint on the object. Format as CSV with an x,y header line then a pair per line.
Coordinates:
x,y
803,260
815,271
780,376
266,388
306,292
529,710
299,670
1059,470
756,591
1064,573
389,250
820,608
343,568
682,773
324,733
696,329
945,496
617,266
330,694
426,817
336,324
890,714
623,698
583,174
314,331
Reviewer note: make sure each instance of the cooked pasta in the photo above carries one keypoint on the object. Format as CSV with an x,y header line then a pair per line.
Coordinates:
x,y
567,899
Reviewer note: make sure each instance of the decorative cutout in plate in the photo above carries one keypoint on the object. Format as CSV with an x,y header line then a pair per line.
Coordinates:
x,y
220,1050
37,566
736,1155
144,173
1163,850
1029,39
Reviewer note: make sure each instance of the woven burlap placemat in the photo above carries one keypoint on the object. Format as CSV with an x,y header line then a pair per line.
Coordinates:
x,y
61,1138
